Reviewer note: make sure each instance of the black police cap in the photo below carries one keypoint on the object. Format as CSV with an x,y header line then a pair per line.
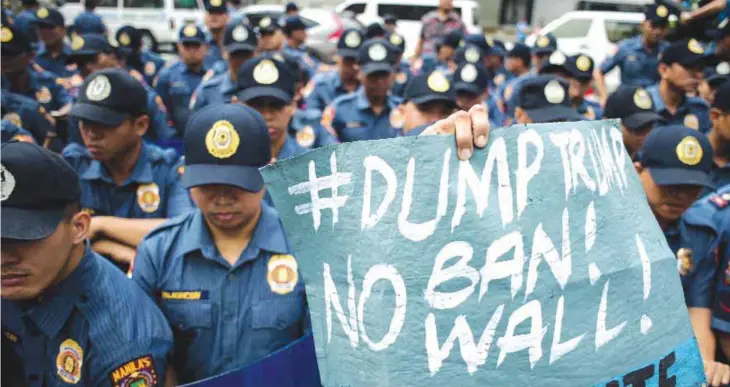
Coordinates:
x,y
717,74
240,37
426,88
580,67
453,39
397,41
350,42
293,23
226,144
374,30
521,51
545,44
471,78
469,53
267,25
633,105
657,14
556,64
109,97
36,186
687,53
377,55
128,36
89,44
545,98
192,33
216,6
266,76
722,97
15,40
49,17
677,155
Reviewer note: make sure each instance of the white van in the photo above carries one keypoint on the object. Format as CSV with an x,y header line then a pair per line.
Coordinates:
x,y
409,14
159,20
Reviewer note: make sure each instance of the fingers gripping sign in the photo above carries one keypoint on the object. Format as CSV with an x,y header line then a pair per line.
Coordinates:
x,y
471,128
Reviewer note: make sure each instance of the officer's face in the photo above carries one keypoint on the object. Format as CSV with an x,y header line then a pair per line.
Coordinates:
x,y
226,207
706,92
11,64
192,53
577,89
299,35
108,144
446,52
667,203
277,115
654,33
685,79
216,21
271,41
237,59
720,124
52,35
348,68
634,139
466,100
539,59
513,64
377,84
30,267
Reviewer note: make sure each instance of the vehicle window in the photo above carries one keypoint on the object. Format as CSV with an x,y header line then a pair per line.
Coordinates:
x,y
186,4
69,1
356,8
609,6
255,18
618,31
475,16
107,3
404,12
576,28
150,4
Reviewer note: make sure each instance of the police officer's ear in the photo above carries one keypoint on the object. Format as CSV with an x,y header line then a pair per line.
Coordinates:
x,y
521,116
79,222
664,70
141,124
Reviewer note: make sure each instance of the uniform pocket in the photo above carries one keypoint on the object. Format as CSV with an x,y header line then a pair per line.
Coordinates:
x,y
186,315
278,314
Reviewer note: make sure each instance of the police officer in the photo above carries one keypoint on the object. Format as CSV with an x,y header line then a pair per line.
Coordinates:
x,y
176,84
296,35
88,21
92,52
25,19
544,98
128,185
216,18
719,136
428,98
719,205
637,57
714,77
271,38
633,105
364,115
138,58
544,46
69,316
10,132
443,58
328,86
518,62
240,45
25,113
53,55
580,68
390,23
680,69
375,30
403,73
557,64
230,258
22,78
471,83
291,9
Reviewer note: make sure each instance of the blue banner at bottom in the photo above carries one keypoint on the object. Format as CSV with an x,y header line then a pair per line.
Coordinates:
x,y
292,366
680,367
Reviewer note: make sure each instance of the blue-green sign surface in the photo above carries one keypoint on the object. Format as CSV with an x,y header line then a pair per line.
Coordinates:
x,y
536,263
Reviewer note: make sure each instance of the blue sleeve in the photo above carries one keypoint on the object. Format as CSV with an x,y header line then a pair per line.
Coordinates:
x,y
698,285
178,200
158,118
145,272
198,100
147,355
324,137
315,100
64,98
613,61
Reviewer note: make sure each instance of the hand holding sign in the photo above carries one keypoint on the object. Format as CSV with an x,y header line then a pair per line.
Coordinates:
x,y
470,128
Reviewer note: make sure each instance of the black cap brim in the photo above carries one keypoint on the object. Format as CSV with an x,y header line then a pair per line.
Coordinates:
x,y
377,67
46,23
348,53
681,176
542,50
29,224
247,178
250,93
468,87
716,80
98,114
81,54
239,47
640,120
433,98
553,114
192,39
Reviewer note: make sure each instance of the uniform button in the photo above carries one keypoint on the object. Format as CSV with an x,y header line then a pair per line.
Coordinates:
x,y
33,377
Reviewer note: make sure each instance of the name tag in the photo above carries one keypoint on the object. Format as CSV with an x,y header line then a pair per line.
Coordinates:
x,y
354,124
184,294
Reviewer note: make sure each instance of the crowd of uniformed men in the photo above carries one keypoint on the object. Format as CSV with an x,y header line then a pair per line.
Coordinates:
x,y
151,169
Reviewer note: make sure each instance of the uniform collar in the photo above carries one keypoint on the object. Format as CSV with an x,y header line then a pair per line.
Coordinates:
x,y
290,148
142,172
227,86
56,304
268,236
659,102
362,100
65,51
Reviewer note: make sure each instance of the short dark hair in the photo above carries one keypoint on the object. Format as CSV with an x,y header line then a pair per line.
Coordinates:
x,y
70,211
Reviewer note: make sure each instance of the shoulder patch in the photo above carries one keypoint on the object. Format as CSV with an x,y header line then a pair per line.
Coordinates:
x,y
720,201
75,150
136,372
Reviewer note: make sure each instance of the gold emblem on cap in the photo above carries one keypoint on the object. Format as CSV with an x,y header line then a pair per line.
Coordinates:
x,y
468,73
583,63
689,151
352,39
557,58
240,33
43,95
265,22
190,30
124,39
472,55
77,42
265,72
695,47
14,119
6,35
642,100
723,68
554,92
148,197
306,137
543,41
438,82
691,121
216,3
662,11
99,88
377,52
7,185
222,140
396,39
42,13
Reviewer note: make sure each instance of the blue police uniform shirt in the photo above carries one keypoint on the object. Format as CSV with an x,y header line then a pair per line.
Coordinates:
x,y
11,132
590,109
56,64
693,240
88,22
218,89
326,88
175,85
154,189
27,113
498,78
306,128
307,63
223,316
639,66
214,55
152,63
353,119
402,77
720,204
496,117
720,176
693,113
44,88
94,328
430,62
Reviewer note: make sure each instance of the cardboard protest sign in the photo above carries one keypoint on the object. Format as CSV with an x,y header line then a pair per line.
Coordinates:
x,y
537,262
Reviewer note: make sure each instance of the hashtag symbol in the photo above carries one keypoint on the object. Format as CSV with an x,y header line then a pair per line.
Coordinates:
x,y
317,184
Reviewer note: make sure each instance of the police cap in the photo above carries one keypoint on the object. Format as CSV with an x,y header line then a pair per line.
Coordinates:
x,y
216,6
686,53
580,67
267,25
432,87
266,76
109,97
350,42
634,106
545,44
240,37
89,45
49,17
722,98
718,74
469,53
293,23
677,155
545,99
191,33
521,51
377,55
397,41
15,40
471,78
657,14
128,36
